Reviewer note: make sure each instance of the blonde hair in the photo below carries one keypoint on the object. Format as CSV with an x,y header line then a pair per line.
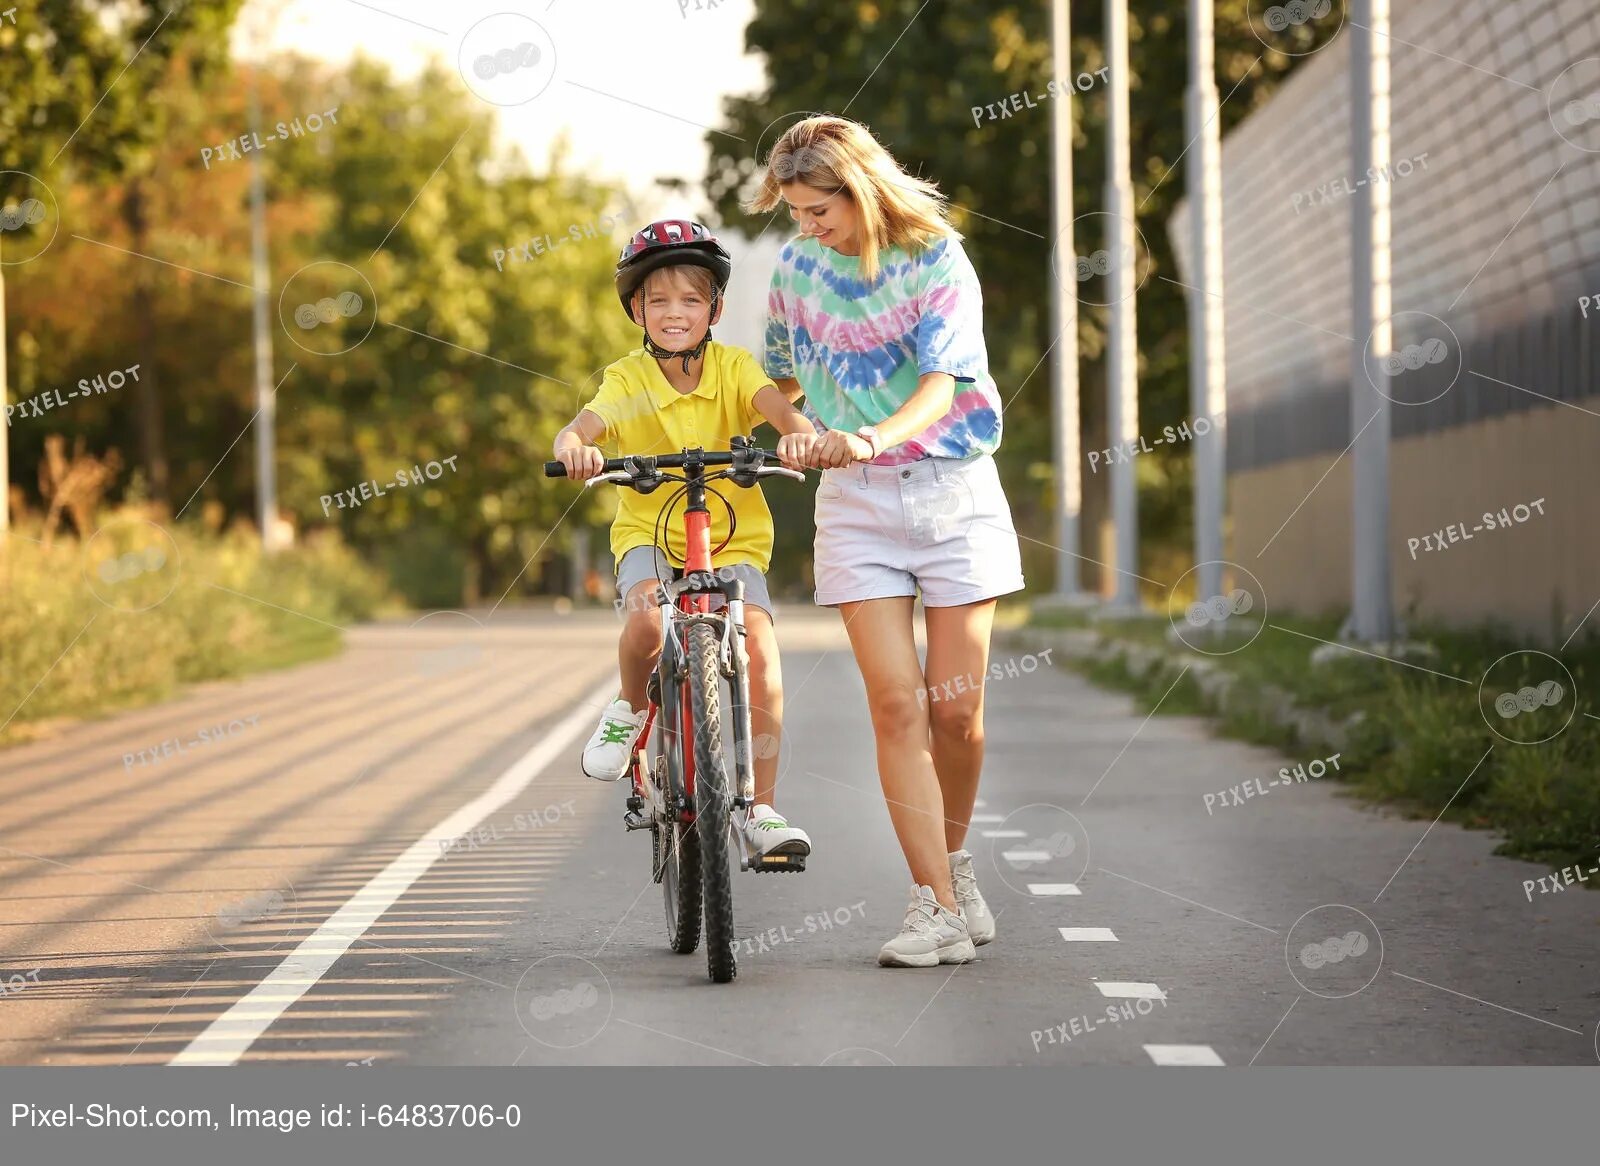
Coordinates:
x,y
698,278
835,154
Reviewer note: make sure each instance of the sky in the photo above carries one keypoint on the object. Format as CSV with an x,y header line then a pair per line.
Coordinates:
x,y
605,67
632,84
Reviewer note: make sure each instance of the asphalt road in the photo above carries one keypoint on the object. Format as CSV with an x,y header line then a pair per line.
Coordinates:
x,y
396,861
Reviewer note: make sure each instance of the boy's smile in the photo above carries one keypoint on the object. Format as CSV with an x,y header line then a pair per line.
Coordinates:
x,y
677,314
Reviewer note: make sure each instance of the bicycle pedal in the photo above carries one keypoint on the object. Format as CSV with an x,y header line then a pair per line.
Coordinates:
x,y
780,864
633,820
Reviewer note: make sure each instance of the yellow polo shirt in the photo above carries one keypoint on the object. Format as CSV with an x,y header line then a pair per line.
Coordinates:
x,y
645,415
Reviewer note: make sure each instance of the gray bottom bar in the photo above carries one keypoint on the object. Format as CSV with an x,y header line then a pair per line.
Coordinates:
x,y
1462,1116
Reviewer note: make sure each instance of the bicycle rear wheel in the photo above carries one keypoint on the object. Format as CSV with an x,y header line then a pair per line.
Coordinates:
x,y
680,885
711,801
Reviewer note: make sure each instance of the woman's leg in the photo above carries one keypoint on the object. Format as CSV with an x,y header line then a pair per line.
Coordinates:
x,y
958,659
886,652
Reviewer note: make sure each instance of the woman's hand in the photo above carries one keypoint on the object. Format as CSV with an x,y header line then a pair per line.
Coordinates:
x,y
798,450
838,449
582,461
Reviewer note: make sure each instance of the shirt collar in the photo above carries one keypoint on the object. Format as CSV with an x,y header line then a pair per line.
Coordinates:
x,y
662,392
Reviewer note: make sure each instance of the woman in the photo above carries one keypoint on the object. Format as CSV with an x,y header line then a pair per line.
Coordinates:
x,y
875,315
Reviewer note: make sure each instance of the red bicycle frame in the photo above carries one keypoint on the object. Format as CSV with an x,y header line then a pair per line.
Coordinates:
x,y
697,557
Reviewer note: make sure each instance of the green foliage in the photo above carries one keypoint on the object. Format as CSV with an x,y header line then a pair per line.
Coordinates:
x,y
76,74
464,360
202,631
938,61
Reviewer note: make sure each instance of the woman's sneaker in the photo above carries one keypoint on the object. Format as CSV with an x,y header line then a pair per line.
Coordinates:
x,y
980,923
929,936
606,756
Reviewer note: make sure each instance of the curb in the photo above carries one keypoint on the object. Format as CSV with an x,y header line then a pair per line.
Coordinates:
x,y
1221,691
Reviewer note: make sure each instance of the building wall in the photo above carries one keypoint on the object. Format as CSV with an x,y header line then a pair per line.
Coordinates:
x,y
1496,233
1537,577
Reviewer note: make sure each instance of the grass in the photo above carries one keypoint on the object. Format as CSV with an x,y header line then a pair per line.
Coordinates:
x,y
80,640
1419,736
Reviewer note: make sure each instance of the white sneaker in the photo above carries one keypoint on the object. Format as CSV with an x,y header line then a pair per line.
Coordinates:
x,y
609,751
768,832
980,923
930,935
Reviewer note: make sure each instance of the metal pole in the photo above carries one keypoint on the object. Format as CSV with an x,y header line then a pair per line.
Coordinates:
x,y
1372,612
1207,367
1122,353
1064,374
266,397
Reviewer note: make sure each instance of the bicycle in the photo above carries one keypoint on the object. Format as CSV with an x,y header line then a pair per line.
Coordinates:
x,y
679,773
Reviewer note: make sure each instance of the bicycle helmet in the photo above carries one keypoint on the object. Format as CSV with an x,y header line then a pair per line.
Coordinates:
x,y
669,243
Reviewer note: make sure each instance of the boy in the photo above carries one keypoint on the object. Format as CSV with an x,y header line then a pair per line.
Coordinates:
x,y
682,389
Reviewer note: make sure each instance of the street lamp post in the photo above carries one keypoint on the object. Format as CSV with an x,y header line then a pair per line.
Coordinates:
x,y
1064,373
1372,611
1207,367
1122,348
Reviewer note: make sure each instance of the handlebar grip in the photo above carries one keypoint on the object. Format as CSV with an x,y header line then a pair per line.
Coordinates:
x,y
554,470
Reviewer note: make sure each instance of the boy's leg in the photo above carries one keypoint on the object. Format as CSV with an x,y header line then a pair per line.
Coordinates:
x,y
609,751
768,832
639,647
766,701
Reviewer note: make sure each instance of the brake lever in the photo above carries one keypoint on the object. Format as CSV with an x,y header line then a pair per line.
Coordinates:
x,y
748,464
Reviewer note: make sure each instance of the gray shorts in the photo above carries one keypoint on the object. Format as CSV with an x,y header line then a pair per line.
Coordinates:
x,y
645,564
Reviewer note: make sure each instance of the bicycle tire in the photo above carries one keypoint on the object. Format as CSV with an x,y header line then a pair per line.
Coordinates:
x,y
677,845
680,884
711,802
680,878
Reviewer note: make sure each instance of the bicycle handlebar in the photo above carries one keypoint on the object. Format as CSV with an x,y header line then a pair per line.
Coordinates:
x,y
750,455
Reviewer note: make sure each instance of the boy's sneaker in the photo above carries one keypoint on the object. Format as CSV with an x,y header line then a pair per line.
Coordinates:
x,y
768,832
980,923
930,935
606,756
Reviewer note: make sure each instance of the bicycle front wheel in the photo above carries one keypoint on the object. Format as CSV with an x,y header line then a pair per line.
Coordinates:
x,y
677,844
711,801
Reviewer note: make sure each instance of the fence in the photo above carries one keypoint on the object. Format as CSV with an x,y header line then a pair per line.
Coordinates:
x,y
1495,186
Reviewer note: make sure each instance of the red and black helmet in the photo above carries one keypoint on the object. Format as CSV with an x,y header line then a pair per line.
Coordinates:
x,y
667,243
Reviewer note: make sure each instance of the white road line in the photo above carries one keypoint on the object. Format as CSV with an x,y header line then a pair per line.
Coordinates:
x,y
1026,857
228,1037
1129,990
1087,934
1053,889
1183,1054
1004,833
987,818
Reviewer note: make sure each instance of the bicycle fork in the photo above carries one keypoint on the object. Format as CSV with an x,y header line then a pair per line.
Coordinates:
x,y
736,667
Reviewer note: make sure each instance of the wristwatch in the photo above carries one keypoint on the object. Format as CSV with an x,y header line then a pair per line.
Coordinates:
x,y
869,434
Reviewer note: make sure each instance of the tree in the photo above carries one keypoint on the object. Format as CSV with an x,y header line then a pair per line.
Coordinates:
x,y
74,75
465,359
920,71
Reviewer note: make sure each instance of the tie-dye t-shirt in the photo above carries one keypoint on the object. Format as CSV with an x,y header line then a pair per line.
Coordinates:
x,y
858,349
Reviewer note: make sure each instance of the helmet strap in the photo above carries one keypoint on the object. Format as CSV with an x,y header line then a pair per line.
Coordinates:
x,y
661,353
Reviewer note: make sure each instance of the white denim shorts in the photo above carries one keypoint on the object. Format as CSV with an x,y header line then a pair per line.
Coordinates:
x,y
939,526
